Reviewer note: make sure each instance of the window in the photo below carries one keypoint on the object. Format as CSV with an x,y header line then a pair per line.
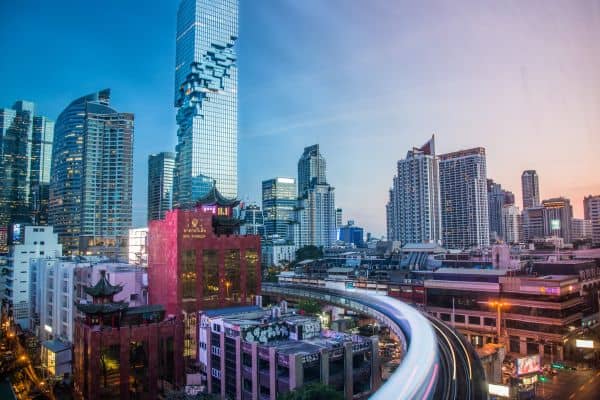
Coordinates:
x,y
459,318
473,320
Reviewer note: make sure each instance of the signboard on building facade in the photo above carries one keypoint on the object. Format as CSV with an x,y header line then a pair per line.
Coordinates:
x,y
528,365
498,390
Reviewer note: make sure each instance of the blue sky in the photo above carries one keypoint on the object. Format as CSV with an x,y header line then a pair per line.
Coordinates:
x,y
365,80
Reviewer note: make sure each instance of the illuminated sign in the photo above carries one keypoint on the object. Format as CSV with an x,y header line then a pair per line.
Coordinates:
x,y
555,224
530,380
48,328
498,390
528,365
584,344
215,210
194,230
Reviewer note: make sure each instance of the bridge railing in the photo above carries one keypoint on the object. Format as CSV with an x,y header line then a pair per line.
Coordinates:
x,y
417,374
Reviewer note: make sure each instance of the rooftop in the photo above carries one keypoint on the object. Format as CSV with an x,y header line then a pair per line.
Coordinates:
x,y
471,271
56,346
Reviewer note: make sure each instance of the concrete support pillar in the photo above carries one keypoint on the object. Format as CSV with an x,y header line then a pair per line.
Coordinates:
x,y
375,364
522,346
325,367
348,369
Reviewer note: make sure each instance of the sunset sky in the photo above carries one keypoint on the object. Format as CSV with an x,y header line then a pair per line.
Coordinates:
x,y
367,80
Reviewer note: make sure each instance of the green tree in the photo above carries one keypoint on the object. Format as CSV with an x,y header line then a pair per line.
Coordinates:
x,y
309,253
314,391
309,306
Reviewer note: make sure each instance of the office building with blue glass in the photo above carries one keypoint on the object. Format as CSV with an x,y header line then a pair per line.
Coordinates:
x,y
92,176
279,201
206,99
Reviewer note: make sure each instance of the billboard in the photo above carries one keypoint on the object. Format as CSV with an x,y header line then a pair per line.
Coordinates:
x,y
528,365
555,224
498,390
584,344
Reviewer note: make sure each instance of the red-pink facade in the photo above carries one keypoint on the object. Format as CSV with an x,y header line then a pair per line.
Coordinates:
x,y
191,268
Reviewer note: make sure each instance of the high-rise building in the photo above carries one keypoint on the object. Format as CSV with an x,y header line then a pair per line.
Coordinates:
x,y
29,243
279,200
317,220
92,177
558,216
496,201
311,169
352,234
206,99
533,223
591,207
531,189
464,199
581,229
511,223
338,218
413,209
316,212
160,184
25,156
252,220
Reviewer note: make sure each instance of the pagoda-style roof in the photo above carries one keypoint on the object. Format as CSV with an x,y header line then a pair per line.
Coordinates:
x,y
102,309
103,288
215,197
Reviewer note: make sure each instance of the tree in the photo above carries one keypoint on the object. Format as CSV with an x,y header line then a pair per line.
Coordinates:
x,y
314,391
309,307
309,253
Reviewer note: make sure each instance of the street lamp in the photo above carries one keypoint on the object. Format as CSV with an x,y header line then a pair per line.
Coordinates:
x,y
498,305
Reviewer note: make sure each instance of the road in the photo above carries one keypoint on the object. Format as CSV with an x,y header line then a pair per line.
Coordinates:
x,y
571,385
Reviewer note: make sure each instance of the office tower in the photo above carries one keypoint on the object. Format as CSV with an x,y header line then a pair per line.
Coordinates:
x,y
352,234
531,189
511,223
581,229
318,220
160,184
497,199
311,169
558,216
25,155
91,182
252,220
413,209
29,242
533,223
464,199
278,203
316,203
338,217
206,99
591,207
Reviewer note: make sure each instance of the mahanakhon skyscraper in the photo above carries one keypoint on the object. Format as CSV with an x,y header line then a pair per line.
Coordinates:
x,y
206,98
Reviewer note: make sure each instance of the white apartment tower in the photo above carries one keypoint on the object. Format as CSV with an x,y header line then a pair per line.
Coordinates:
x,y
413,209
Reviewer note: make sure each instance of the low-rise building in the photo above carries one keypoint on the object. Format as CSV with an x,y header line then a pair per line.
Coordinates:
x,y
56,359
253,353
275,252
138,247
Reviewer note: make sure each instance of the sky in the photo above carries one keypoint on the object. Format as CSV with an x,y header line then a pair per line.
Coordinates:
x,y
367,80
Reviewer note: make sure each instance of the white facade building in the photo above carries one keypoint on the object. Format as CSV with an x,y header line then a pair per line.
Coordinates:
x,y
138,249
274,253
30,242
581,229
511,223
464,199
591,205
413,209
53,297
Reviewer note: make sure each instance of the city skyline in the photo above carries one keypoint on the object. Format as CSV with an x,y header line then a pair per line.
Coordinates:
x,y
524,95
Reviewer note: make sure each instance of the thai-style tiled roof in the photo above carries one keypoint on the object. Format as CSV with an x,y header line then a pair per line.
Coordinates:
x,y
103,288
215,197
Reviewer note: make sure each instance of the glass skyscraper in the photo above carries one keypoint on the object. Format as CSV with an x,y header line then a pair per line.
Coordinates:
x,y
278,202
160,184
311,169
206,98
92,176
25,155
